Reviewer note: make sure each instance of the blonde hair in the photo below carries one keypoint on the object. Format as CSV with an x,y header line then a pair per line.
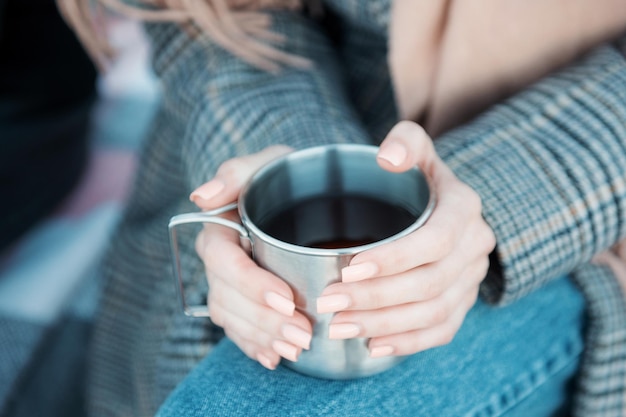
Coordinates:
x,y
240,26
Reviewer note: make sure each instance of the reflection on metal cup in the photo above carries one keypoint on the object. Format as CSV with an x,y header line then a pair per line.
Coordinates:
x,y
305,216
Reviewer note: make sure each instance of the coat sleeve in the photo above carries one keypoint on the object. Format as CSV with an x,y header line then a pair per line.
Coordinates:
x,y
550,166
231,108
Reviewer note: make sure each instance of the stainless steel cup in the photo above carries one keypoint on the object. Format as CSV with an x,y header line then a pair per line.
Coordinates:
x,y
333,170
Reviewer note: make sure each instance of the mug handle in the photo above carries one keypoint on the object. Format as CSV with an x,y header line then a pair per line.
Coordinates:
x,y
202,217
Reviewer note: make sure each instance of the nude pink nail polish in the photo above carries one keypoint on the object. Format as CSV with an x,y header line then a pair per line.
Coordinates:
x,y
286,350
333,303
380,351
265,361
279,303
297,336
394,153
208,191
358,272
343,331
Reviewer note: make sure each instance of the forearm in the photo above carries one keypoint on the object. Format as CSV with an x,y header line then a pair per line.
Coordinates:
x,y
234,109
549,166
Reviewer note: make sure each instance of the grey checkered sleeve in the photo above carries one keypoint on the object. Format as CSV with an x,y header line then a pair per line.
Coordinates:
x,y
550,165
234,109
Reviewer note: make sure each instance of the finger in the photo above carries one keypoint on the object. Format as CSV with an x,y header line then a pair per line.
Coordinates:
x,y
268,358
420,284
407,317
456,209
418,340
226,260
254,340
417,285
227,304
224,188
286,339
406,145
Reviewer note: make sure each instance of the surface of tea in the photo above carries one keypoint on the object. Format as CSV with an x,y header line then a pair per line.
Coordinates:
x,y
333,222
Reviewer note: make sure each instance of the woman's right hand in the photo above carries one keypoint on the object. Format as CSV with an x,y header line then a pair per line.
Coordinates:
x,y
254,307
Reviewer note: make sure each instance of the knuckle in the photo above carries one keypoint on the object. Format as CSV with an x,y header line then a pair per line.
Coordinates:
x,y
412,343
431,289
408,126
469,199
442,241
438,313
380,328
216,315
243,264
483,267
489,239
231,168
210,250
445,338
374,299
472,298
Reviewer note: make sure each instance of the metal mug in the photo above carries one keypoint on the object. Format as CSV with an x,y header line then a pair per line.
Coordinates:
x,y
319,172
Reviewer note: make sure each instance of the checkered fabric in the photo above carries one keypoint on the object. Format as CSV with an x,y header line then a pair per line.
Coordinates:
x,y
550,165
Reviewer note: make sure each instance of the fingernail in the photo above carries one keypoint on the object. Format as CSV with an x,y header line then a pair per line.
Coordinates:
x,y
343,331
359,272
285,350
279,303
208,191
332,303
297,336
265,361
394,153
379,351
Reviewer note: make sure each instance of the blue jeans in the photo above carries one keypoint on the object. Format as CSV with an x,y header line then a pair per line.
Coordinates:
x,y
518,360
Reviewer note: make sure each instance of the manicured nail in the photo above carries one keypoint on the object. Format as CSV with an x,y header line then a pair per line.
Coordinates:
x,y
333,303
394,153
343,331
285,350
207,191
297,336
279,303
265,361
379,351
359,272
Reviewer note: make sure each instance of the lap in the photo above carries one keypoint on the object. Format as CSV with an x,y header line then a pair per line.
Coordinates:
x,y
511,360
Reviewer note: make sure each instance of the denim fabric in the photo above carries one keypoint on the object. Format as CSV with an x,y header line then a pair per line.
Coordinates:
x,y
517,360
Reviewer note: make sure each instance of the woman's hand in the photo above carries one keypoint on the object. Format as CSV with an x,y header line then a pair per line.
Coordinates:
x,y
413,294
255,308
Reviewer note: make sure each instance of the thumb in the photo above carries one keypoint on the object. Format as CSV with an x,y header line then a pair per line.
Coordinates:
x,y
231,176
407,144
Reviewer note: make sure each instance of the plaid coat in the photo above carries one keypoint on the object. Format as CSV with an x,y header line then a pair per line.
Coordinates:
x,y
549,164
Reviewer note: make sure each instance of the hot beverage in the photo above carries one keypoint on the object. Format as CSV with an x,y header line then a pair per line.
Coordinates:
x,y
333,222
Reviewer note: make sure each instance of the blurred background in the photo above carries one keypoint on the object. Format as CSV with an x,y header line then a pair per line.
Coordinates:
x,y
69,138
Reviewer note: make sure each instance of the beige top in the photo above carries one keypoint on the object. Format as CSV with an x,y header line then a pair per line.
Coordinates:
x,y
449,59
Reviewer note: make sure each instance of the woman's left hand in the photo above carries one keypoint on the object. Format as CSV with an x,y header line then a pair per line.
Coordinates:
x,y
413,294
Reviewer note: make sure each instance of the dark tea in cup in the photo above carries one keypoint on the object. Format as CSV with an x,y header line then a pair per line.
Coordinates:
x,y
337,221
